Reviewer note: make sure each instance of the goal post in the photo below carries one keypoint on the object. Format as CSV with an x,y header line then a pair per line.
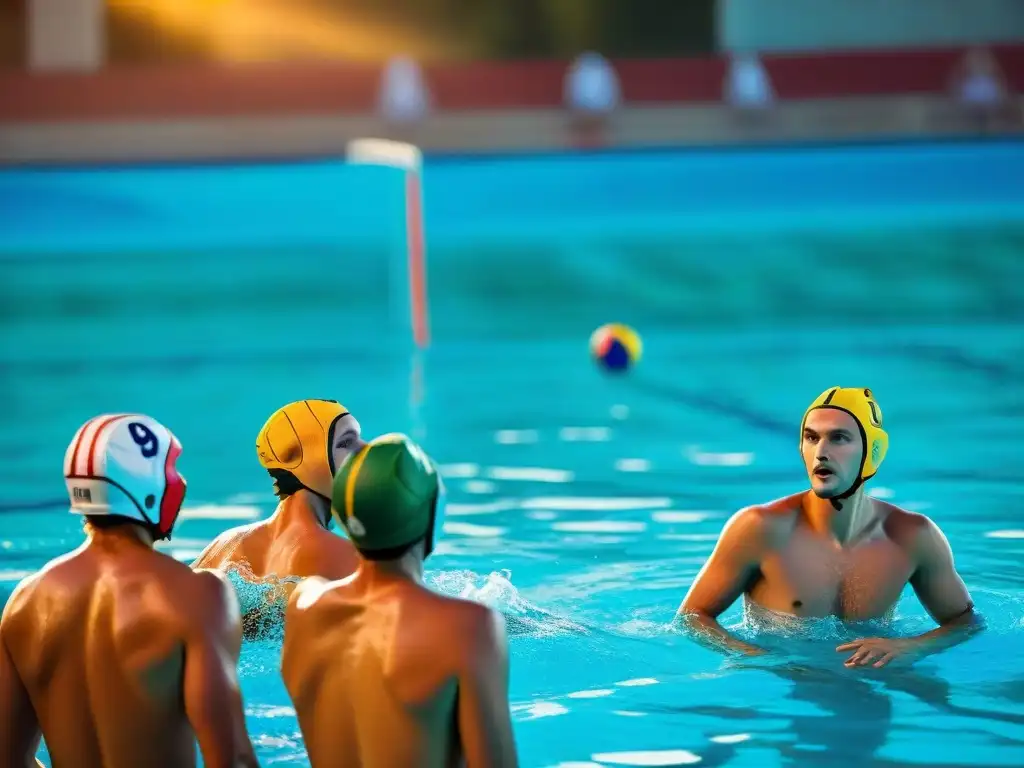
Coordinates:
x,y
408,268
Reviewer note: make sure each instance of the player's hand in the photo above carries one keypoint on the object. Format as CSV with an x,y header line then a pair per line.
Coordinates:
x,y
875,651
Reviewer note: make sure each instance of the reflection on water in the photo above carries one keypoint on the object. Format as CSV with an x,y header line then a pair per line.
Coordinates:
x,y
851,716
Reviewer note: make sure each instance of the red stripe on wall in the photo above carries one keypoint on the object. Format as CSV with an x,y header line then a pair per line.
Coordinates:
x,y
276,89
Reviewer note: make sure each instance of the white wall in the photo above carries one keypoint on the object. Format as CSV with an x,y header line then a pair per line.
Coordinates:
x,y
794,25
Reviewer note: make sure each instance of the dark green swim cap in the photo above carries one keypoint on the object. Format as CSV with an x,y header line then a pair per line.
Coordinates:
x,y
388,496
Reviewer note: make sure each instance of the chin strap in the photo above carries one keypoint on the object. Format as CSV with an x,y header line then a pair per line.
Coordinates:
x,y
837,500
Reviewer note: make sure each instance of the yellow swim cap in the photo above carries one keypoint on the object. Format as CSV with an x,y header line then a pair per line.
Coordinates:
x,y
861,405
294,446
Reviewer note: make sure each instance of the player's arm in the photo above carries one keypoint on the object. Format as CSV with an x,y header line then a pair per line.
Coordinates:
x,y
484,717
942,592
724,577
19,726
213,701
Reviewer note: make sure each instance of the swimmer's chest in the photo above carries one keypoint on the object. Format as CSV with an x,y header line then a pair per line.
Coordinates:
x,y
811,575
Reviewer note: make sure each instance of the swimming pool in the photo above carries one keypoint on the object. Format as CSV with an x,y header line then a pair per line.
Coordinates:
x,y
582,505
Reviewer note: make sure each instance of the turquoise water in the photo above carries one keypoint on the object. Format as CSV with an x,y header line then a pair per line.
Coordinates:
x,y
581,505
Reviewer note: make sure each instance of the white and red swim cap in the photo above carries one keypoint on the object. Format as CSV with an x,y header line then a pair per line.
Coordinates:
x,y
125,465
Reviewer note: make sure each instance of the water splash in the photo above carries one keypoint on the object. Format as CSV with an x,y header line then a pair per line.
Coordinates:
x,y
766,626
262,601
802,644
522,618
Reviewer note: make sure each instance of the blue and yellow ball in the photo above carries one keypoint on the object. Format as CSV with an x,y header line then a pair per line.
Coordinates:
x,y
616,347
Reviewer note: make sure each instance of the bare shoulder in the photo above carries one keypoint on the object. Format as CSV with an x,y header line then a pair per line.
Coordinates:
x,y
325,554
761,520
315,608
310,595
61,570
211,599
212,555
472,626
913,531
783,510
20,599
210,584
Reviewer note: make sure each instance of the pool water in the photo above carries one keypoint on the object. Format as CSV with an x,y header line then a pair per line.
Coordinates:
x,y
581,505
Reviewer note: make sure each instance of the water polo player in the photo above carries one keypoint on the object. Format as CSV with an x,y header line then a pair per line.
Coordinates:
x,y
116,654
834,550
383,672
300,446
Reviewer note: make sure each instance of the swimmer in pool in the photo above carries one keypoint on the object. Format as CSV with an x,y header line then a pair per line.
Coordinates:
x,y
300,446
117,654
383,672
834,550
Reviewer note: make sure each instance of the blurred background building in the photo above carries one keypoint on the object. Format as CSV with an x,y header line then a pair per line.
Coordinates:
x,y
169,78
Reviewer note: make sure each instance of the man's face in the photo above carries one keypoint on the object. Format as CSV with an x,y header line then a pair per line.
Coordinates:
x,y
347,439
832,449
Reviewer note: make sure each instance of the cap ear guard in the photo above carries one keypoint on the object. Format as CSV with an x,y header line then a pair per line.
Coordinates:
x,y
876,446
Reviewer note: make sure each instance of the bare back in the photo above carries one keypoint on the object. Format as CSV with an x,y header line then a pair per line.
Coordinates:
x,y
98,638
385,678
265,560
291,543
